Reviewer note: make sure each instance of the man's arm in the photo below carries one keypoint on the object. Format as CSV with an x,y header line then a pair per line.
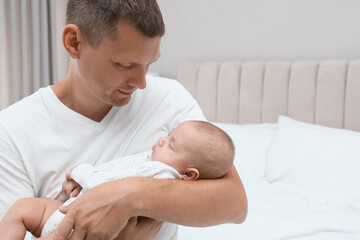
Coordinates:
x,y
195,203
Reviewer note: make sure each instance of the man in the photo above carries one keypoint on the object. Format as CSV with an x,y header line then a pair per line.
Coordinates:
x,y
105,108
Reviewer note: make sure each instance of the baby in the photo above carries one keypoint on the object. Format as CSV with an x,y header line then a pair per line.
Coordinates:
x,y
194,149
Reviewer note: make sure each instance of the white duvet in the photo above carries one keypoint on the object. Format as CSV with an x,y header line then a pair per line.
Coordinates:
x,y
284,210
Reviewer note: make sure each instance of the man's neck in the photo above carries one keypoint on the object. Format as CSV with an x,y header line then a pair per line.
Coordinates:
x,y
79,101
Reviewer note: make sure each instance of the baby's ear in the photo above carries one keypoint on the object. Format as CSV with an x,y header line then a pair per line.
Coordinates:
x,y
190,174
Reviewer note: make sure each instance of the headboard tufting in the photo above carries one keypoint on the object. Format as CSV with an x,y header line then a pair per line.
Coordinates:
x,y
325,93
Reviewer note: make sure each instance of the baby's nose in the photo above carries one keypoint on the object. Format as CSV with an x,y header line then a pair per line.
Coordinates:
x,y
161,142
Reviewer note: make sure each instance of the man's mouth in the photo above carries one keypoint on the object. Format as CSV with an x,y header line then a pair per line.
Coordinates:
x,y
125,93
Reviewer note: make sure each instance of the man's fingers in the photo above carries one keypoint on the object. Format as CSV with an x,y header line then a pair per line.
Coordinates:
x,y
132,221
78,233
152,225
145,221
158,227
64,228
64,209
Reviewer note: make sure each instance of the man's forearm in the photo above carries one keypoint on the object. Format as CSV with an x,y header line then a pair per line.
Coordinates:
x,y
193,203
196,203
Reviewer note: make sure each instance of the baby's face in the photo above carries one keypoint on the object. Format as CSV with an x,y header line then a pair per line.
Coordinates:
x,y
178,148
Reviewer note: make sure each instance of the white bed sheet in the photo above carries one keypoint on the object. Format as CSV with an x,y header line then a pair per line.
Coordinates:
x,y
284,210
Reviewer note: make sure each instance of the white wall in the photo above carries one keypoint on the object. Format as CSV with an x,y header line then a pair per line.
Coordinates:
x,y
62,58
4,75
222,30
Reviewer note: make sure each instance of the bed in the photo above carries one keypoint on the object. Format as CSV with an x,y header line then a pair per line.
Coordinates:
x,y
295,126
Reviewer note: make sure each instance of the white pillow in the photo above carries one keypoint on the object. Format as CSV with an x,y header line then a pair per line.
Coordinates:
x,y
302,149
252,142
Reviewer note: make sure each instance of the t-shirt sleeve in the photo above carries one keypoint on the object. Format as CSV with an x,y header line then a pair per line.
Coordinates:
x,y
14,181
184,106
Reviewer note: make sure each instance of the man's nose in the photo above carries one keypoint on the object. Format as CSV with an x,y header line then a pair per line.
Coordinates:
x,y
139,79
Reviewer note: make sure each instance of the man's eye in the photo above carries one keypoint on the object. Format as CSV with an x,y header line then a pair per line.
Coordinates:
x,y
125,65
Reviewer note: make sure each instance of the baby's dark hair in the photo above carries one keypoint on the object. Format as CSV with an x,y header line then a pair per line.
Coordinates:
x,y
98,19
218,152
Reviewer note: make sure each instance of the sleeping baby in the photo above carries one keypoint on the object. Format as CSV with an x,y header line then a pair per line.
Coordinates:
x,y
193,150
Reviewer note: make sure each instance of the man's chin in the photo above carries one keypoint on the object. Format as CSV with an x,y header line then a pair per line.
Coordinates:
x,y
121,102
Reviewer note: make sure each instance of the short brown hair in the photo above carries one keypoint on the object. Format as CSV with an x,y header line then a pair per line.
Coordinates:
x,y
98,19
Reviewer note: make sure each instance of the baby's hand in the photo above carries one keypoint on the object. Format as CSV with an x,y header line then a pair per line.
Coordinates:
x,y
69,186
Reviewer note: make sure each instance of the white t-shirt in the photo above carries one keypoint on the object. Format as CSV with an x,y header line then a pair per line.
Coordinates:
x,y
41,138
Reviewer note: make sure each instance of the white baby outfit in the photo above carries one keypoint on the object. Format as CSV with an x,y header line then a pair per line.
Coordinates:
x,y
138,165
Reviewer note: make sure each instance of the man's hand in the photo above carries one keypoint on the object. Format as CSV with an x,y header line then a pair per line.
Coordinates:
x,y
47,237
99,213
140,228
69,186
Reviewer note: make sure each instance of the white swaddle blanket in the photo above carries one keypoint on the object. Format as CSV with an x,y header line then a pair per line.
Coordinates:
x,y
138,165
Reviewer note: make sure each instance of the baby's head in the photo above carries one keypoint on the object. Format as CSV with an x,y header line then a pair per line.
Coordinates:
x,y
196,149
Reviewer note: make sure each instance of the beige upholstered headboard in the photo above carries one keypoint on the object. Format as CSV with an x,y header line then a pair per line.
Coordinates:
x,y
325,93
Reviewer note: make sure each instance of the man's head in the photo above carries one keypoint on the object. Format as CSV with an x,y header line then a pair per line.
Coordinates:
x,y
99,19
196,149
111,44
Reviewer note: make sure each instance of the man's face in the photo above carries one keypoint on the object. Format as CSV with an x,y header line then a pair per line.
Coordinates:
x,y
110,73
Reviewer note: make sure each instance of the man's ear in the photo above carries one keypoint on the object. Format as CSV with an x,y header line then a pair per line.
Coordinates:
x,y
190,174
72,40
